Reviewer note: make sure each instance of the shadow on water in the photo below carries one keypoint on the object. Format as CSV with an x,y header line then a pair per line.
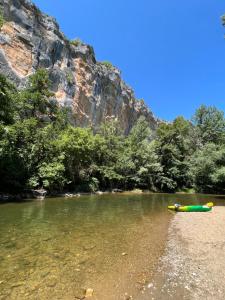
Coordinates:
x,y
15,201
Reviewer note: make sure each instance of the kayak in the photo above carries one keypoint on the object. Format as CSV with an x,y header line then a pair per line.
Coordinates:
x,y
192,208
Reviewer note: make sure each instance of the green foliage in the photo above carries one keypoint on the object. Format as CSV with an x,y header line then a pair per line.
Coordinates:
x,y
111,146
210,125
35,99
76,42
108,64
7,101
145,167
223,20
140,132
208,168
2,21
17,154
172,148
25,141
70,78
50,175
141,101
40,149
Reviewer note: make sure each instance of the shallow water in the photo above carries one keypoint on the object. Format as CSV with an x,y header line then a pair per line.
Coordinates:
x,y
57,248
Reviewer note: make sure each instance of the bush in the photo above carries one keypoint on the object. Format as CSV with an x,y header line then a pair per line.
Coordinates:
x,y
108,64
1,19
223,20
208,169
76,42
69,78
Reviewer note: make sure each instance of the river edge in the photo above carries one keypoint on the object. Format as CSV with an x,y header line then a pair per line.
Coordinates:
x,y
193,265
6,197
29,196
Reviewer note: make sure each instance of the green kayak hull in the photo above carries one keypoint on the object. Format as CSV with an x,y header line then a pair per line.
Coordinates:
x,y
191,208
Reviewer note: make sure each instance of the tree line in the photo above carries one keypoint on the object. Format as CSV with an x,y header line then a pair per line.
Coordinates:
x,y
39,148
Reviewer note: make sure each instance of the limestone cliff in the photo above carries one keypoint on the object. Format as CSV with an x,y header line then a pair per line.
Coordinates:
x,y
30,39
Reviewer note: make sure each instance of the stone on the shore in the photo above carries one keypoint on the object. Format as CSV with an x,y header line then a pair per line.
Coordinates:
x,y
89,293
67,195
150,285
99,192
127,297
89,247
52,281
80,294
117,191
39,193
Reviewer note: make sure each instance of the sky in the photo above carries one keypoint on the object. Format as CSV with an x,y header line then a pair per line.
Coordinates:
x,y
171,52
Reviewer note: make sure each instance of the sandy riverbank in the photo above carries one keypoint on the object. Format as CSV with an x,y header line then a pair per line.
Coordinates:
x,y
193,266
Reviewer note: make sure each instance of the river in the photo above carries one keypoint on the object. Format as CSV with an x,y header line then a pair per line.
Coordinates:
x,y
58,248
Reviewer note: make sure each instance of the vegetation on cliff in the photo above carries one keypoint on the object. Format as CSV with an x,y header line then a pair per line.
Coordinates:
x,y
1,19
39,148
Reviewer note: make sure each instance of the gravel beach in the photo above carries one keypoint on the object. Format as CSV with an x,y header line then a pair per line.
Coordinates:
x,y
193,266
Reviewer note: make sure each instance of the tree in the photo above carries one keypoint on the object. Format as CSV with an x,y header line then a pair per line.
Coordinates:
x,y
140,132
49,175
17,155
208,169
36,98
210,125
144,162
78,146
7,101
172,142
111,147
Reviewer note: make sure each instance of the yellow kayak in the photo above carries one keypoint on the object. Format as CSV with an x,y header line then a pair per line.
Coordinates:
x,y
191,208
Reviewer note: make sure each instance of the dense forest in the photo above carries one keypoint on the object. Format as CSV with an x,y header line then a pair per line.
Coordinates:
x,y
40,149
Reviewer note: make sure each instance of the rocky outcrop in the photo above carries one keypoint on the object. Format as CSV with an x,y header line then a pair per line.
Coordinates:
x,y
93,91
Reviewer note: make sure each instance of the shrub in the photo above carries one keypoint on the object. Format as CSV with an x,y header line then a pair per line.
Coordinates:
x,y
69,78
108,64
1,19
223,20
76,42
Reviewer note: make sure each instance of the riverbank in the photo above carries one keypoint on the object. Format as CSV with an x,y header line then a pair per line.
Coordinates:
x,y
41,194
193,266
30,195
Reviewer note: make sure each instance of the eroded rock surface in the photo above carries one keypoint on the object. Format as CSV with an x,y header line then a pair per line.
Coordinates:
x,y
30,39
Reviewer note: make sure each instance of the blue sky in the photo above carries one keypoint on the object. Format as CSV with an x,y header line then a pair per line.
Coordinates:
x,y
171,52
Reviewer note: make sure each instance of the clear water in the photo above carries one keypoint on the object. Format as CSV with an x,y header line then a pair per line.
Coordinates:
x,y
58,248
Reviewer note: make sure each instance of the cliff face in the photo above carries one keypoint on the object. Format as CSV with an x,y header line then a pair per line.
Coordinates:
x,y
30,39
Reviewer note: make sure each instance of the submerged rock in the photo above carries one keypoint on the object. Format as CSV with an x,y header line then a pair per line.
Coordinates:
x,y
89,293
89,247
52,281
80,294
127,297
